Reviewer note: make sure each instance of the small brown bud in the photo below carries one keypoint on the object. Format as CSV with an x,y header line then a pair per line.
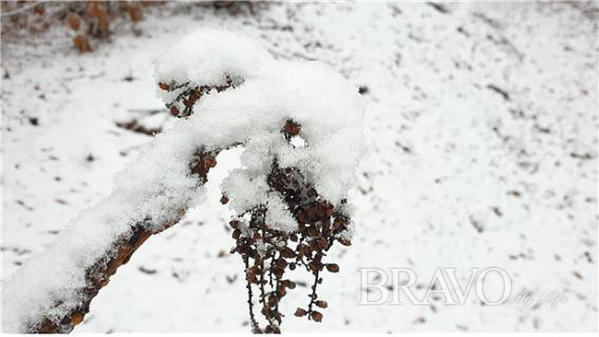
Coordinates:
x,y
333,268
224,199
174,111
272,301
300,312
282,291
287,253
289,284
322,243
321,304
337,223
250,275
314,266
312,232
345,241
305,249
234,224
329,210
163,86
281,263
292,128
209,161
76,318
316,316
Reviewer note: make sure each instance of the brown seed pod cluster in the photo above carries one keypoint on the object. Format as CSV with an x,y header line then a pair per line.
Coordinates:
x,y
269,253
189,94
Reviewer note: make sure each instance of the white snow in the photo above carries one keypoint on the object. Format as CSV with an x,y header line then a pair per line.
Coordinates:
x,y
442,148
204,57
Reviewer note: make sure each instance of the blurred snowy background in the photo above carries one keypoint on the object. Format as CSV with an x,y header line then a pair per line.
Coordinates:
x,y
482,132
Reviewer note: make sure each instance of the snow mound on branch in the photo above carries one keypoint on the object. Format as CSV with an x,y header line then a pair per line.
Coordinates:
x,y
208,55
328,108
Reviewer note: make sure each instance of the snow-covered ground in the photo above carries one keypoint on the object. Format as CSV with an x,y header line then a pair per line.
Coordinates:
x,y
482,137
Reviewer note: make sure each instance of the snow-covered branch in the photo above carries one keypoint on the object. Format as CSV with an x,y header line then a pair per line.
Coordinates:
x,y
230,91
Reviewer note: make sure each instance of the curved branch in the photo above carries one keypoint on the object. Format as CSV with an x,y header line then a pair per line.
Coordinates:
x,y
69,306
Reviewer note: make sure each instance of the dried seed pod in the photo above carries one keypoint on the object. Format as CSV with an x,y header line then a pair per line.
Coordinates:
x,y
287,252
344,241
234,224
210,162
281,263
278,272
280,251
337,224
272,300
332,267
315,266
282,291
289,284
304,249
316,316
250,275
321,304
322,243
329,210
312,232
300,312
291,128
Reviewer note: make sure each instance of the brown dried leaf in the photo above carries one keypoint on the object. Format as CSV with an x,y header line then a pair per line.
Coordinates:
x,y
74,21
82,43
